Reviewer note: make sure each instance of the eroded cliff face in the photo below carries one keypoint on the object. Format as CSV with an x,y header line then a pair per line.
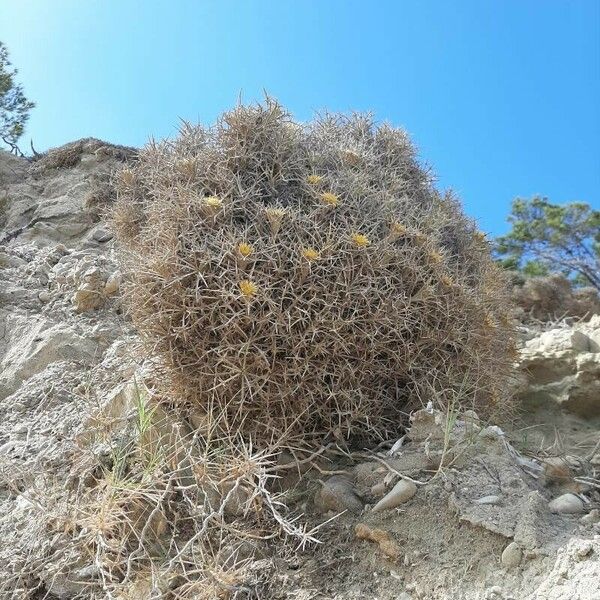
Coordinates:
x,y
499,520
561,367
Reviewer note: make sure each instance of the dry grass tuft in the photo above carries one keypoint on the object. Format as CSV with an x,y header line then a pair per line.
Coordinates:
x,y
69,155
360,312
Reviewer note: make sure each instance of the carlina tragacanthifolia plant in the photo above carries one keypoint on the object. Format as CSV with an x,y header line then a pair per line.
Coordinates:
x,y
299,280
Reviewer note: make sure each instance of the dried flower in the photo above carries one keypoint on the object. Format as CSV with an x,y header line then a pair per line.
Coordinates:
x,y
480,236
435,257
275,217
360,240
275,213
314,179
447,280
248,288
310,254
127,176
489,322
397,229
330,199
187,166
350,156
245,249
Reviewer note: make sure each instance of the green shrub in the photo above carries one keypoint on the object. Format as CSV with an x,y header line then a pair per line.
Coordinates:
x,y
299,280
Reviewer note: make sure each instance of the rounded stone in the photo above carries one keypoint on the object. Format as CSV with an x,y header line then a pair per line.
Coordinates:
x,y
492,499
512,556
567,504
337,494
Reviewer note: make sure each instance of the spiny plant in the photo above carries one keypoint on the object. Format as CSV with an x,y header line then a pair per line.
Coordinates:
x,y
304,280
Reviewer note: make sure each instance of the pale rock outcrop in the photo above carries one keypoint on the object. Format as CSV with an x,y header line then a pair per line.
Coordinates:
x,y
31,344
56,198
562,366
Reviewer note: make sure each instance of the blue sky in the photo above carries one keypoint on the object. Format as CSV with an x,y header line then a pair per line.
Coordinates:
x,y
501,97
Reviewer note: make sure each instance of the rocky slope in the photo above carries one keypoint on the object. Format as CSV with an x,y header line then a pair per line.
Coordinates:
x,y
562,368
495,513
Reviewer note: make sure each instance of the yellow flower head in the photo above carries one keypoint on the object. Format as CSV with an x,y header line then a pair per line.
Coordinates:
x,y
480,236
330,199
360,240
248,288
245,249
447,280
310,254
213,201
314,179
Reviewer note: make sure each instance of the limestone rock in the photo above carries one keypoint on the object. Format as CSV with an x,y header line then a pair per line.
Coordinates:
x,y
40,343
88,296
561,367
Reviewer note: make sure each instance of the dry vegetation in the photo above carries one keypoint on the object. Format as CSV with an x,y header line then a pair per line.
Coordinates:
x,y
299,281
553,298
301,289
69,155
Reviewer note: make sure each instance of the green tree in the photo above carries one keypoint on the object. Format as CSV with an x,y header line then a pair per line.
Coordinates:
x,y
14,106
547,238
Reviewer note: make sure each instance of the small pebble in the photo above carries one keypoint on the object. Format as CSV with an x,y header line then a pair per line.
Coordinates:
x,y
512,556
592,517
568,504
494,593
44,296
487,500
113,283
